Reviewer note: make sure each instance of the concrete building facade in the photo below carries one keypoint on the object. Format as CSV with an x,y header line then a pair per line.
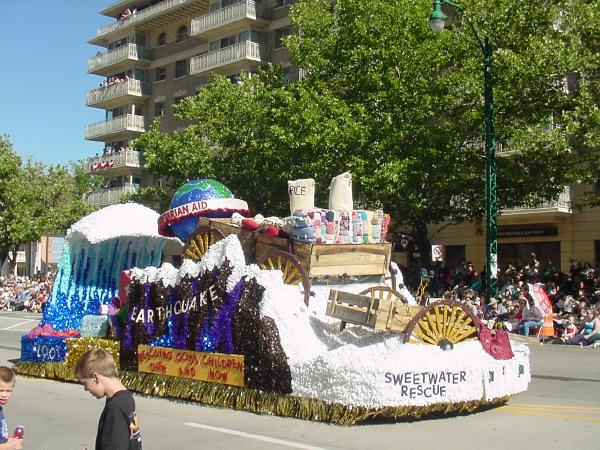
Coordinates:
x,y
154,54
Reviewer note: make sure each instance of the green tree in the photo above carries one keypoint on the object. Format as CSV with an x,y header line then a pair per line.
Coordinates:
x,y
425,92
35,200
265,133
402,109
177,157
269,132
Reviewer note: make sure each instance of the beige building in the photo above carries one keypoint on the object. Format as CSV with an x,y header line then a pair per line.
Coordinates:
x,y
553,231
157,52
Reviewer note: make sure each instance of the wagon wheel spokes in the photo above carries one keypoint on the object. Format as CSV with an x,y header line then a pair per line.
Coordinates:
x,y
384,292
445,320
292,270
199,242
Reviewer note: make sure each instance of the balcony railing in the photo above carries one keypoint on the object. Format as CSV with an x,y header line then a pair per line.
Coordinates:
x,y
128,122
238,52
129,52
247,9
145,14
107,197
128,87
128,158
562,205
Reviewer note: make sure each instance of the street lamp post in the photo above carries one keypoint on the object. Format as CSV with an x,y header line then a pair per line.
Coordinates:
x,y
437,20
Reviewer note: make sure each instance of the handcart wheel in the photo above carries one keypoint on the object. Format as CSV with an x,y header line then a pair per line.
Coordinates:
x,y
384,293
442,321
293,272
198,243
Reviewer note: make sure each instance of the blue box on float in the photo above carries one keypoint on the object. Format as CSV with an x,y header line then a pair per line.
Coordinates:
x,y
94,326
43,348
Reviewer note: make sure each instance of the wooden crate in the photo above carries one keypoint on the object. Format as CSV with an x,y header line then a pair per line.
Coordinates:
x,y
265,243
370,311
352,308
346,259
317,259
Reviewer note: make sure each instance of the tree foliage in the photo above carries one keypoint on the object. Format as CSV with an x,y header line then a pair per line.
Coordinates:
x,y
35,199
401,108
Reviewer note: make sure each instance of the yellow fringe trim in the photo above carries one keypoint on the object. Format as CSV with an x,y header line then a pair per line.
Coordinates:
x,y
234,397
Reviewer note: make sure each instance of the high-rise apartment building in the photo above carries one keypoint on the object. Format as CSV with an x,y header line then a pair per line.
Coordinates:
x,y
157,52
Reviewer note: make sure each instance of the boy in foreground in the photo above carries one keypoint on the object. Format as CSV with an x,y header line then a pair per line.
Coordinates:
x,y
7,384
118,428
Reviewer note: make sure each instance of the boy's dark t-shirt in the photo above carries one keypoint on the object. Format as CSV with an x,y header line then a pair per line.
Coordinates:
x,y
3,427
119,428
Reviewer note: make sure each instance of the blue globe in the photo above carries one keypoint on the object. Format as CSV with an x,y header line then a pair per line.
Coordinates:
x,y
194,191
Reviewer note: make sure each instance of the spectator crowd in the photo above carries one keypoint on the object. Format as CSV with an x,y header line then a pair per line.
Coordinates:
x,y
574,296
25,293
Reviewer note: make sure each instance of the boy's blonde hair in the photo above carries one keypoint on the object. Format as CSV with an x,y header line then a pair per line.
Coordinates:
x,y
96,360
7,375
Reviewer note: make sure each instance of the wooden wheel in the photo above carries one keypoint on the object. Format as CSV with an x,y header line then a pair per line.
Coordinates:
x,y
384,293
440,321
293,272
198,243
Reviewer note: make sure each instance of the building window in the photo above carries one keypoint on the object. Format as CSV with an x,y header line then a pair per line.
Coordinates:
x,y
181,68
280,35
162,39
117,44
160,74
159,109
284,2
182,33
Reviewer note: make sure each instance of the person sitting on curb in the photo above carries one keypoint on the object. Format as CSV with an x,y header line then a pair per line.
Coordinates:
x,y
590,332
533,316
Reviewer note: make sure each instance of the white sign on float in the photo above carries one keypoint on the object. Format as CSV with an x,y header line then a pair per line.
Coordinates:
x,y
437,252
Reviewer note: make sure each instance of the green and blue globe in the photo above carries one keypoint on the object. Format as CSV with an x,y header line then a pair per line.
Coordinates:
x,y
207,190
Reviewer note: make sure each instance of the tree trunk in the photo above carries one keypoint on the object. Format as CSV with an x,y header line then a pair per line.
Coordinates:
x,y
12,262
422,241
3,256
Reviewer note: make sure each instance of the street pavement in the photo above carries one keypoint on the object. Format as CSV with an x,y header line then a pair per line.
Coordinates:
x,y
561,409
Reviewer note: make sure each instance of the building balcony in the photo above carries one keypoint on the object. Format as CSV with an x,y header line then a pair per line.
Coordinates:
x,y
154,16
123,128
118,94
119,59
233,57
238,15
107,197
114,164
560,206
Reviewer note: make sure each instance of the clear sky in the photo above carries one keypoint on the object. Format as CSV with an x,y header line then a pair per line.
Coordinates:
x,y
43,81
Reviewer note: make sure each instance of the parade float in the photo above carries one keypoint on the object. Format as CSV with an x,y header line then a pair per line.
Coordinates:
x,y
297,316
